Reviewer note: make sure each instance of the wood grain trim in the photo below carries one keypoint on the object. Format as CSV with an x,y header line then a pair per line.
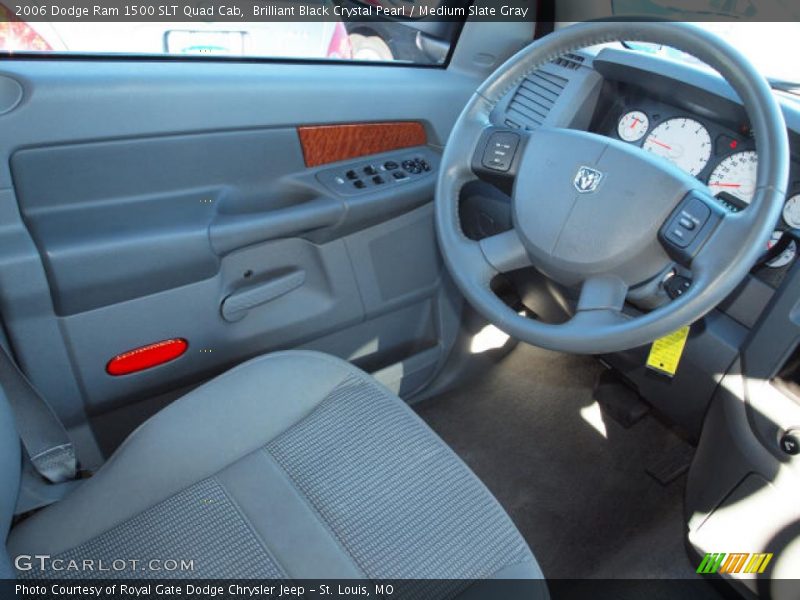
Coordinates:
x,y
325,144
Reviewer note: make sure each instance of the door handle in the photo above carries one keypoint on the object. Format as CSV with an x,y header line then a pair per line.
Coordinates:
x,y
236,306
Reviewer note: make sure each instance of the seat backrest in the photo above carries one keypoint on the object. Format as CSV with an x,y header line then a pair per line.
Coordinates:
x,y
10,473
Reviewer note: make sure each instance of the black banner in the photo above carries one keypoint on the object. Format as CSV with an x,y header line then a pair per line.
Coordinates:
x,y
268,10
560,589
383,10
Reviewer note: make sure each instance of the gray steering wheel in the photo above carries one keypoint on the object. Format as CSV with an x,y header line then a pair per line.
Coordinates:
x,y
603,216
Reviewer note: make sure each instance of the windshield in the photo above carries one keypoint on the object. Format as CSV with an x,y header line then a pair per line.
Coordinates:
x,y
769,46
765,31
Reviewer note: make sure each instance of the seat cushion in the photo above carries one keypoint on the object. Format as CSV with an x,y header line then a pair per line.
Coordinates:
x,y
293,465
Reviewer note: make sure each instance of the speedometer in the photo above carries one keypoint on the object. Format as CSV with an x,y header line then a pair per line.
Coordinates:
x,y
736,175
684,142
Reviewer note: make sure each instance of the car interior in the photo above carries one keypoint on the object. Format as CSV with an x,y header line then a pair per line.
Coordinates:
x,y
528,312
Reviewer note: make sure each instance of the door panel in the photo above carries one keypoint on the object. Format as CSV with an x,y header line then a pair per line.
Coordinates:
x,y
327,299
178,203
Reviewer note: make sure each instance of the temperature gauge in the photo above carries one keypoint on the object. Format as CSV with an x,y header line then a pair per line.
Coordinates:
x,y
633,126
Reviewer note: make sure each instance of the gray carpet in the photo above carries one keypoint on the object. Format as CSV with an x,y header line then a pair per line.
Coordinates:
x,y
583,501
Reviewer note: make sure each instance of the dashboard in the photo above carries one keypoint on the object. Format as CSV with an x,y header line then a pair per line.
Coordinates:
x,y
745,354
716,149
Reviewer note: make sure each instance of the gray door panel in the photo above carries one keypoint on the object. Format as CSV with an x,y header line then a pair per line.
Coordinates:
x,y
172,201
328,299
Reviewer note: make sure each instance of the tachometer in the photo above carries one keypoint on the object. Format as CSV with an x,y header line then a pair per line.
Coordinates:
x,y
736,175
791,212
633,125
684,142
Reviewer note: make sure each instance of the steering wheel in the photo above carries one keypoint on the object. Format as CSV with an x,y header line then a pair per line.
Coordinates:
x,y
602,216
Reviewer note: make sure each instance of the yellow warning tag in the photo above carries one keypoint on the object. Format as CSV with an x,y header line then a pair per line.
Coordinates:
x,y
666,352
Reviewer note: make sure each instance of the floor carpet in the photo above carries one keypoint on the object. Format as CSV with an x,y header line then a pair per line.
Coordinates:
x,y
573,481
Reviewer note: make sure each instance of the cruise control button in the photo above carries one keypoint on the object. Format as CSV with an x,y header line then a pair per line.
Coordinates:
x,y
500,150
684,227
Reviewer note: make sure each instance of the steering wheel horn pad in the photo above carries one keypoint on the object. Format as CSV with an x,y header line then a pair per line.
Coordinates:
x,y
579,209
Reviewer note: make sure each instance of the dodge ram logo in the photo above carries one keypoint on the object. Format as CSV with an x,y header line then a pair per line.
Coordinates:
x,y
587,180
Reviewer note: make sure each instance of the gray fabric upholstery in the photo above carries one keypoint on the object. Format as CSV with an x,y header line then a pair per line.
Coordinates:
x,y
200,521
292,465
385,485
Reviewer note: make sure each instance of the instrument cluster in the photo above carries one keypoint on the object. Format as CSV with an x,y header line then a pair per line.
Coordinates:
x,y
724,158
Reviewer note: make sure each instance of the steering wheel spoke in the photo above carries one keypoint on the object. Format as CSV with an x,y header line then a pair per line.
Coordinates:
x,y
505,252
600,304
602,293
714,255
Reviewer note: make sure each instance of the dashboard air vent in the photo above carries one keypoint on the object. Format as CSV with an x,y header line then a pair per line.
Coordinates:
x,y
569,61
533,100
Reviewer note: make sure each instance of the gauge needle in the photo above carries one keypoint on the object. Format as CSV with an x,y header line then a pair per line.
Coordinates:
x,y
635,122
727,185
662,144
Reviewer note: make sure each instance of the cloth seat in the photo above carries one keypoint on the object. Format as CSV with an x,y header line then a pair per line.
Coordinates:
x,y
292,465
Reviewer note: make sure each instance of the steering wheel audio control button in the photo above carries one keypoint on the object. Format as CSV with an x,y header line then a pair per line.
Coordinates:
x,y
684,226
500,150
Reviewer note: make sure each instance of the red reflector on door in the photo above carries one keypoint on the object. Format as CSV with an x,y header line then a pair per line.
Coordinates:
x,y
146,357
